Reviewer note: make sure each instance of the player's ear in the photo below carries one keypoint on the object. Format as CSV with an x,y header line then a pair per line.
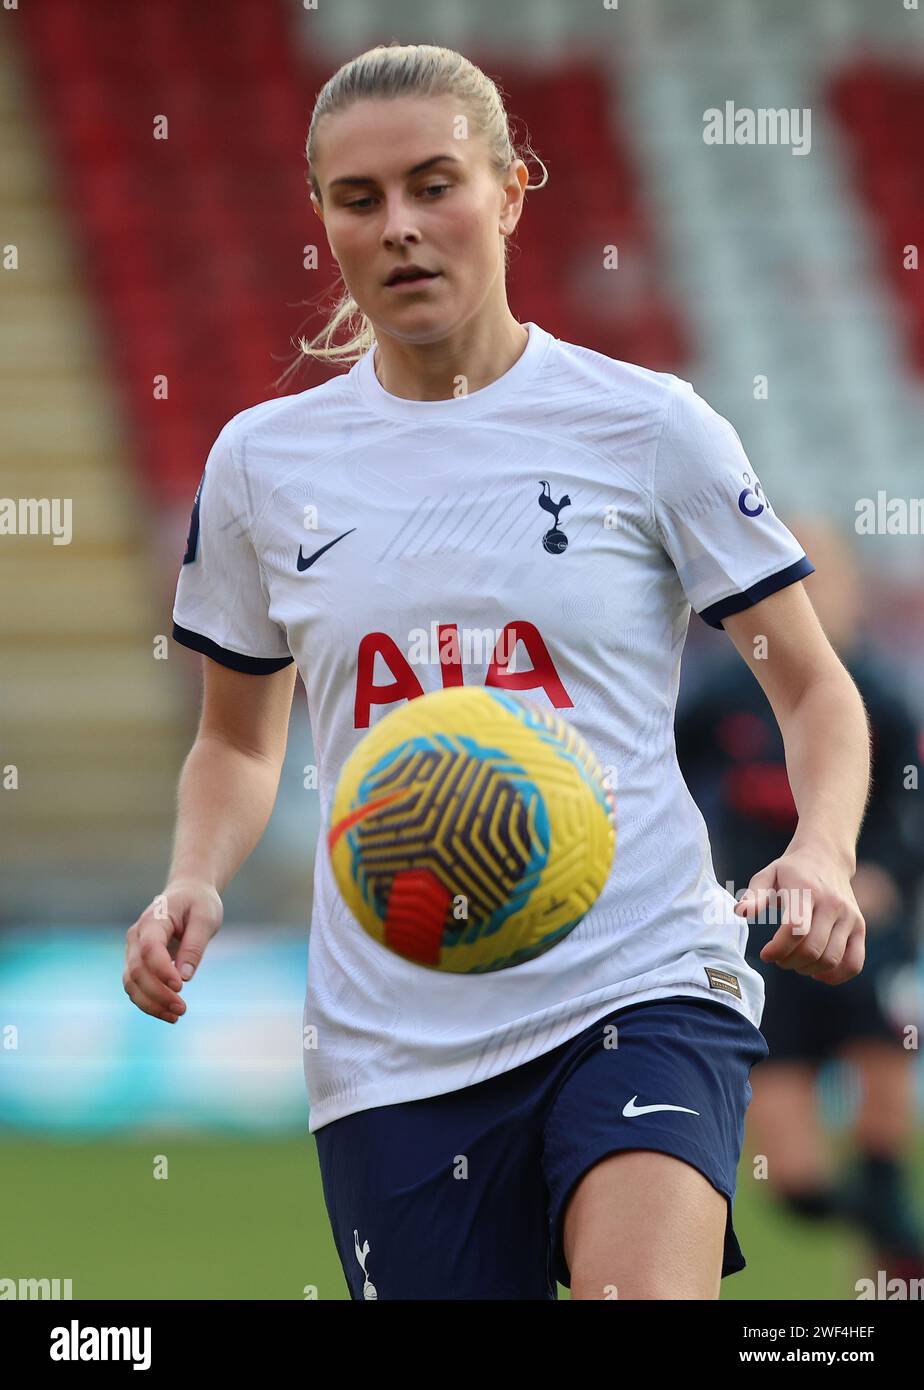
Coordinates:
x,y
317,206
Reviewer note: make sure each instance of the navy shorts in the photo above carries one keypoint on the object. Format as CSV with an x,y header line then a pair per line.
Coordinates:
x,y
462,1195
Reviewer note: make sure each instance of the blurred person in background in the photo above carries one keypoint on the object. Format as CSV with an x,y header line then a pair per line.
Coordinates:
x,y
731,754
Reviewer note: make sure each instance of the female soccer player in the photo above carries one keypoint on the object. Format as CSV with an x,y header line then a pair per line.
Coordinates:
x,y
578,1117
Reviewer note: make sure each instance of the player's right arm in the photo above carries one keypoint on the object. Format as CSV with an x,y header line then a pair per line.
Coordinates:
x,y
231,775
226,795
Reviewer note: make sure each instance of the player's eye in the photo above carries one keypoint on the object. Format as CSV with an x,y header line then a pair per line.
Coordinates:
x,y
430,188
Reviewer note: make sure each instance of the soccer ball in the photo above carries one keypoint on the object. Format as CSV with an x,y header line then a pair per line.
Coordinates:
x,y
471,830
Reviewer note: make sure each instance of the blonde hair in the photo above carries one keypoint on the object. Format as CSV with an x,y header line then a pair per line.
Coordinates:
x,y
394,70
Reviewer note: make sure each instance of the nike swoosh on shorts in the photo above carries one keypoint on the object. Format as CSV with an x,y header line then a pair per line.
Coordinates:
x,y
630,1108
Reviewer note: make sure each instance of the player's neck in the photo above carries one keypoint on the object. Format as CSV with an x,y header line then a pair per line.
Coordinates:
x,y
464,362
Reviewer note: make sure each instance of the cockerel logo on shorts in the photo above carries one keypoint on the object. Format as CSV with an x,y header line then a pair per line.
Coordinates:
x,y
368,1286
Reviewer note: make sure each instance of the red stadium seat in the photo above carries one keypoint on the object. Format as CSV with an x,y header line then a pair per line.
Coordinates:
x,y
881,107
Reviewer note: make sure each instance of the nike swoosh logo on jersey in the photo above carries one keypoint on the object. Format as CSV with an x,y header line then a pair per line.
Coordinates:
x,y
305,562
630,1108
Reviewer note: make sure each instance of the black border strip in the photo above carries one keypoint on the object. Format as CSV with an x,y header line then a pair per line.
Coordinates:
x,y
736,603
252,665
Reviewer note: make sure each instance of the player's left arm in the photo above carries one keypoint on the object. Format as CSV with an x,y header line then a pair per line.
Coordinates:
x,y
825,730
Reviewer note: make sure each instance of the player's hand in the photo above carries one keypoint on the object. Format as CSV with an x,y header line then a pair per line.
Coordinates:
x,y
822,932
166,944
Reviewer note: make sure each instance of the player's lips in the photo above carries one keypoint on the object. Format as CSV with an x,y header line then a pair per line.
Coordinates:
x,y
410,275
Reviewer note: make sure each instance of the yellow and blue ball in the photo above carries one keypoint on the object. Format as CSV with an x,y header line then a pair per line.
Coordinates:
x,y
471,830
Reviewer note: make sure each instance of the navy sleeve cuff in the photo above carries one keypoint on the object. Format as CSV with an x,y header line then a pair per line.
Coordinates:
x,y
252,665
736,603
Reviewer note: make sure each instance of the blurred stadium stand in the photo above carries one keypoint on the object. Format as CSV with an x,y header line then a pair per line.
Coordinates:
x,y
94,734
190,237
881,106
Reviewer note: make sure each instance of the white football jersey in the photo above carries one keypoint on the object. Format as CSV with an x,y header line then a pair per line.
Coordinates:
x,y
563,520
